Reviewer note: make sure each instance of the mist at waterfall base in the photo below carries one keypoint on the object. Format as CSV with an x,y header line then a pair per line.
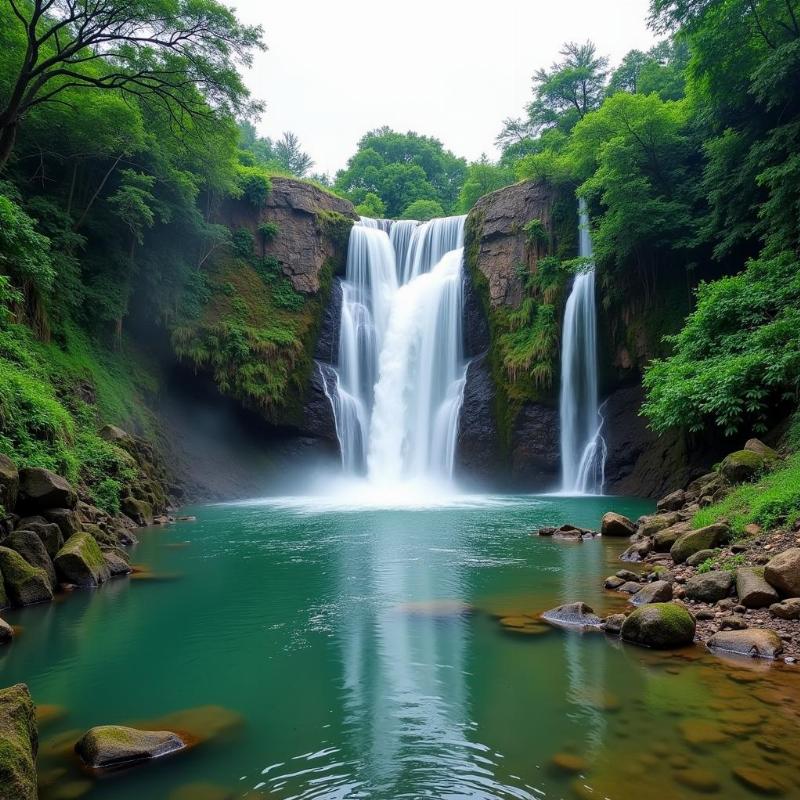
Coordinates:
x,y
583,448
398,386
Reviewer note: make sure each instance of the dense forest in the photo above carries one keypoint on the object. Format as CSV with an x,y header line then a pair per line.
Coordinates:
x,y
122,131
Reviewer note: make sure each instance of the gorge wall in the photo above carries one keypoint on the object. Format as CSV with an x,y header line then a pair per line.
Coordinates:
x,y
509,430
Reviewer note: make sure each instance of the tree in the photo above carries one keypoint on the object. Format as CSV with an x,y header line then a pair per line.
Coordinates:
x,y
371,206
182,54
423,210
290,156
401,168
482,177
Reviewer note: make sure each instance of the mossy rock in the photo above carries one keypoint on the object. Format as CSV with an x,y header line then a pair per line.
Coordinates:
x,y
661,626
80,561
115,746
140,511
33,550
703,539
24,583
743,466
19,743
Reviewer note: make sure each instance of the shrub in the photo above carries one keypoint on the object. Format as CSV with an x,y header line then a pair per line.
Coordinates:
x,y
242,241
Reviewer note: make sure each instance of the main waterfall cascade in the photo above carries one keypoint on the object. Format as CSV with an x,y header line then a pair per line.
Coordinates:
x,y
401,371
583,448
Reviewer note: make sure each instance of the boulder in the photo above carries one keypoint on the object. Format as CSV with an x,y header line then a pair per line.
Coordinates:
x,y
659,625
81,562
613,582
9,483
758,447
786,609
113,434
50,534
652,525
115,746
4,601
783,572
24,583
33,550
613,624
663,540
700,486
753,590
696,559
19,743
703,539
709,587
67,520
742,466
40,489
655,592
6,632
140,511
630,587
116,563
672,502
756,642
637,551
572,615
616,525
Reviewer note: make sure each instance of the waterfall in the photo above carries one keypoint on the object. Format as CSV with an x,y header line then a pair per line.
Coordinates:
x,y
401,372
583,449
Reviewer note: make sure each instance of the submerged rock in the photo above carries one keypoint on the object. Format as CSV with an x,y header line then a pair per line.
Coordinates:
x,y
80,561
659,625
655,592
19,742
703,539
759,781
783,572
614,524
756,642
24,583
753,590
709,587
115,746
577,615
40,489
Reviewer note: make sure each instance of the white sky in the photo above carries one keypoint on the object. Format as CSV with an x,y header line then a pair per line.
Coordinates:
x,y
454,70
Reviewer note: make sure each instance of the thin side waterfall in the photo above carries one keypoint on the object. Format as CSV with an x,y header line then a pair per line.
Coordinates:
x,y
583,449
401,371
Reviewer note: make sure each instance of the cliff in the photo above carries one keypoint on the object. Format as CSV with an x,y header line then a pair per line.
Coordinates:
x,y
254,321
518,243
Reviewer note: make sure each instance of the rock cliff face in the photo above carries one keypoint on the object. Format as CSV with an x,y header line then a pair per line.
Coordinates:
x,y
509,426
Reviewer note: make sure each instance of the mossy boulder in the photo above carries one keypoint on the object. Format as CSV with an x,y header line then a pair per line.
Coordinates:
x,y
660,626
651,525
115,746
32,549
757,446
19,742
24,583
742,466
703,539
9,483
616,525
80,561
663,540
140,511
40,489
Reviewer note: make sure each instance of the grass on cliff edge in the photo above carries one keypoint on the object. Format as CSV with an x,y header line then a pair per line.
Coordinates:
x,y
771,501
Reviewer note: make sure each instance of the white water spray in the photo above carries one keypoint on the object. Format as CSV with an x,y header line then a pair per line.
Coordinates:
x,y
401,371
583,449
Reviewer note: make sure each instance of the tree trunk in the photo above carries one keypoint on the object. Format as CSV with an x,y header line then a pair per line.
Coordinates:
x,y
8,134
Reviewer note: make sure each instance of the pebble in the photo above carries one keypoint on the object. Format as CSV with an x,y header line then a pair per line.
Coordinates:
x,y
759,781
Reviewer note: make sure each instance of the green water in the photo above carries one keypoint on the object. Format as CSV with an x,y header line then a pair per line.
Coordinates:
x,y
316,627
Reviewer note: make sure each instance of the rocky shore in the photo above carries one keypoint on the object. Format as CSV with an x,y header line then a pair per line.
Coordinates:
x,y
736,594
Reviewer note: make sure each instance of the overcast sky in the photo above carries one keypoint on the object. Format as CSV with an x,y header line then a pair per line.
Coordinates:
x,y
453,70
